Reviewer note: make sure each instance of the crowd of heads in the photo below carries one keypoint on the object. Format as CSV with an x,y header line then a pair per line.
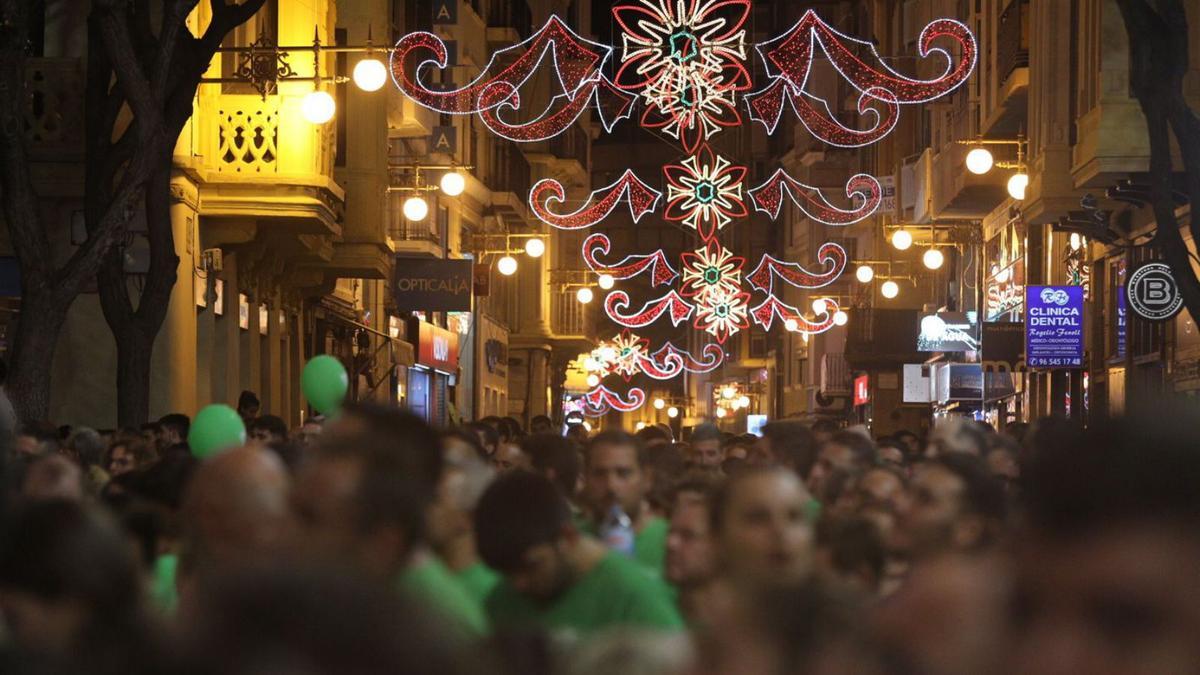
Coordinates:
x,y
375,543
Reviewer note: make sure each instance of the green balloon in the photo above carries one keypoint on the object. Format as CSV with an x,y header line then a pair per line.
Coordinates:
x,y
325,383
216,427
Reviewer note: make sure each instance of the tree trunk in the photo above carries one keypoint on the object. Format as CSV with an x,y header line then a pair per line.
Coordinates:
x,y
135,348
38,328
136,329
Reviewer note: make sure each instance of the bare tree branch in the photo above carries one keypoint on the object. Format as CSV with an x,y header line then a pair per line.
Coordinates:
x,y
114,33
174,18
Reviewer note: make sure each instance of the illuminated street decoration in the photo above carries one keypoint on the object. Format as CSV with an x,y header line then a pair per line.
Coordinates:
x,y
685,58
723,312
601,400
575,62
641,198
704,192
710,269
685,62
630,266
559,115
861,188
770,268
628,355
671,305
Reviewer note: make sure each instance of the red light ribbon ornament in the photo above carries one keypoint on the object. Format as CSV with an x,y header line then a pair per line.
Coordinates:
x,y
790,57
602,399
765,314
576,61
861,188
642,200
713,357
670,304
766,106
770,268
661,273
559,115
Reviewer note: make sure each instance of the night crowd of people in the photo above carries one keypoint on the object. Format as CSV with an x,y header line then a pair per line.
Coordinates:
x,y
374,543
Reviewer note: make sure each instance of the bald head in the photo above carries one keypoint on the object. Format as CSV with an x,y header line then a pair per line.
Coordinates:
x,y
236,506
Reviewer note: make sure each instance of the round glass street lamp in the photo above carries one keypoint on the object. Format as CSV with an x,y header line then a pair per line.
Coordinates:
x,y
933,259
659,404
889,289
416,208
791,325
606,281
370,74
864,273
902,239
534,248
819,306
453,183
721,412
1017,184
584,295
840,318
593,380
979,161
318,107
507,265
743,402
672,412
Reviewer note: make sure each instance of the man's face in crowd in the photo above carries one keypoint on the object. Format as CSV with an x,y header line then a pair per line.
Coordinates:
x,y
540,426
691,558
168,437
707,452
323,501
614,476
934,508
545,573
891,455
832,456
883,489
264,437
121,461
508,457
765,535
1119,600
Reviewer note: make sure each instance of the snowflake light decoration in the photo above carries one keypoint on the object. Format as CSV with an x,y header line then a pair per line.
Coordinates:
x,y
686,58
723,313
710,269
705,192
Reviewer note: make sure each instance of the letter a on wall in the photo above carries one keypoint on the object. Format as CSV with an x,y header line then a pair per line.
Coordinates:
x,y
444,139
445,12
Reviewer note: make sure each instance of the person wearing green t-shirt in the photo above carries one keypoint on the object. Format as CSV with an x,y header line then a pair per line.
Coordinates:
x,y
555,577
451,530
615,475
365,495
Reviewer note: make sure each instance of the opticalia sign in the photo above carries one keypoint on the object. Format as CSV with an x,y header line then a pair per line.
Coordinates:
x,y
437,348
1054,326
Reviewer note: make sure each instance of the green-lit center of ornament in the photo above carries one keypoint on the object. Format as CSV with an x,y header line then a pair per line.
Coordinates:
x,y
721,310
711,275
684,46
705,191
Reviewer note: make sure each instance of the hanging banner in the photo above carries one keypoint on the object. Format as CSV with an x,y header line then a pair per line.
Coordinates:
x,y
1152,292
1054,326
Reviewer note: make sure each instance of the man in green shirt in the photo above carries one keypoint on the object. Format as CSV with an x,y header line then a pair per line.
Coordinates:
x,y
615,474
363,497
555,577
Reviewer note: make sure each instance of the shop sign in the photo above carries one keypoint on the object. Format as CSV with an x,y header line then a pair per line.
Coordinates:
x,y
948,332
437,348
1152,293
862,390
433,284
1054,326
445,12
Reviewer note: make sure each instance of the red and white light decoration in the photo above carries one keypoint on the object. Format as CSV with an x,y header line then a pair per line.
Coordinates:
x,y
686,59
704,192
685,63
